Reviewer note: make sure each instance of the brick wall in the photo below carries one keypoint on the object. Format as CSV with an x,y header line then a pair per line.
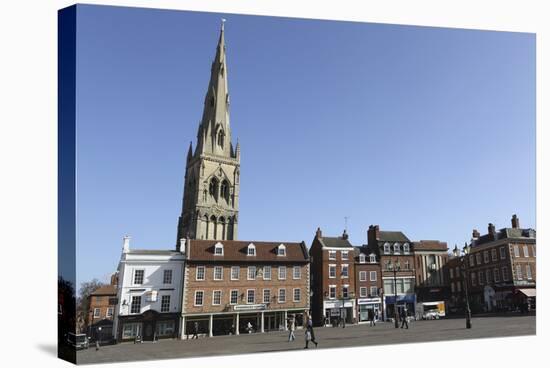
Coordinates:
x,y
226,284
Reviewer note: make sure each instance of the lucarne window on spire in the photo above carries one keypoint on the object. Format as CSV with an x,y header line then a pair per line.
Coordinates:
x,y
221,138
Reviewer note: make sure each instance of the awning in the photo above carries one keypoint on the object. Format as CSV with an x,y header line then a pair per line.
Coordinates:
x,y
530,293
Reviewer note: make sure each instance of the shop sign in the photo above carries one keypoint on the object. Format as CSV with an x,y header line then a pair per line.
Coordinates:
x,y
246,307
368,301
338,304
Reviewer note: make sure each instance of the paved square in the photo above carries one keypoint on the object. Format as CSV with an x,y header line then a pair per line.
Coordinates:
x,y
328,337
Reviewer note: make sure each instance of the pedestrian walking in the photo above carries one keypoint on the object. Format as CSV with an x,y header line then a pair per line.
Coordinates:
x,y
249,327
308,338
195,331
291,328
403,316
309,327
371,318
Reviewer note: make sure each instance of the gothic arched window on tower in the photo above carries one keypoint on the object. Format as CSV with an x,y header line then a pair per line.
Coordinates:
x,y
225,190
221,137
214,188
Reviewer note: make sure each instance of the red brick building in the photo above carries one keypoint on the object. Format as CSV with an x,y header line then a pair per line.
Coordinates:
x,y
333,279
229,284
99,319
502,268
394,248
368,284
454,275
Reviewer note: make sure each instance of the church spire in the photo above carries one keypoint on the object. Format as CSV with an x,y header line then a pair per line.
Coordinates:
x,y
210,206
214,135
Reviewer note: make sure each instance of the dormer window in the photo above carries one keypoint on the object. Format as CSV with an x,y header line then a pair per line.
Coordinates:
x,y
396,248
362,258
251,251
281,250
406,248
218,249
387,248
372,258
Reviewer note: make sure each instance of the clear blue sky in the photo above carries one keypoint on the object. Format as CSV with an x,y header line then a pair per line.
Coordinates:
x,y
430,131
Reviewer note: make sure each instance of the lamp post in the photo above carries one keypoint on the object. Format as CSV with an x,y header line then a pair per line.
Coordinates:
x,y
395,267
347,296
342,308
464,268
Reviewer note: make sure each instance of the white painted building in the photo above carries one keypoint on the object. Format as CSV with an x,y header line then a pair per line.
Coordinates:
x,y
149,293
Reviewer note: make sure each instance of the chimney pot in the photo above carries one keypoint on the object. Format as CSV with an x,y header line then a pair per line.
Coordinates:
x,y
345,235
515,222
319,233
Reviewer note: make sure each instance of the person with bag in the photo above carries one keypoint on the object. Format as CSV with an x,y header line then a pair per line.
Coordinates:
x,y
291,328
310,334
308,338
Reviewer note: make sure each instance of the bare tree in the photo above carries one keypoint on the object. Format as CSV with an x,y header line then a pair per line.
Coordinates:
x,y
83,301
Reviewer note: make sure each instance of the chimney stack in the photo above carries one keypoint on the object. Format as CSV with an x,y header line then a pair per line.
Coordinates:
x,y
491,230
318,233
475,234
373,234
345,235
515,222
126,244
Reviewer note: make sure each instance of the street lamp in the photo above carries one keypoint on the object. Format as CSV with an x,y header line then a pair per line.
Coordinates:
x,y
464,268
348,295
395,267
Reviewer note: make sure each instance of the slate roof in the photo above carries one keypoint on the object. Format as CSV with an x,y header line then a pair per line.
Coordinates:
x,y
335,242
105,290
236,251
392,236
507,233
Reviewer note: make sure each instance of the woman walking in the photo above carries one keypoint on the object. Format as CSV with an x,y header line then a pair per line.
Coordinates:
x,y
310,335
291,328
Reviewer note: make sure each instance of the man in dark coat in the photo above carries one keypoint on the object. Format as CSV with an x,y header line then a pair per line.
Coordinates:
x,y
403,317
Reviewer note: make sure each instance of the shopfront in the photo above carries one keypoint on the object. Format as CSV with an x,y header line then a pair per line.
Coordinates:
x,y
253,318
335,311
148,326
369,307
404,301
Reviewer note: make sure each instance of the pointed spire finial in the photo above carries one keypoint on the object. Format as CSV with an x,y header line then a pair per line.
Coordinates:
x,y
223,22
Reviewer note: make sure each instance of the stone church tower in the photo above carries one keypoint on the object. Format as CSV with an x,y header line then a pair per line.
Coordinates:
x,y
211,191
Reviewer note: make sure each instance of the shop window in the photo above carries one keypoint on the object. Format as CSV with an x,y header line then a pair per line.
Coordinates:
x,y
131,330
165,328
